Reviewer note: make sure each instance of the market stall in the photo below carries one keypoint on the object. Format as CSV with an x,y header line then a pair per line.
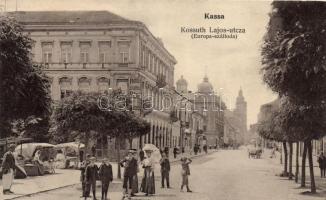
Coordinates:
x,y
38,157
68,154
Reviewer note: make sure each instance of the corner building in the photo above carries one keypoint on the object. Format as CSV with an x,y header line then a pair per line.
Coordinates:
x,y
97,51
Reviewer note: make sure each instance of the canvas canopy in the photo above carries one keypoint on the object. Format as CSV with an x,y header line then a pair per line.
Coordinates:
x,y
28,149
70,148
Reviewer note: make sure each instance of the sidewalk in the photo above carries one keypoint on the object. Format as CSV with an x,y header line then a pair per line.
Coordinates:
x,y
320,182
70,178
31,185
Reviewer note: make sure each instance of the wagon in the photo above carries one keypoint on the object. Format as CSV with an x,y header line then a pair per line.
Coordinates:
x,y
255,153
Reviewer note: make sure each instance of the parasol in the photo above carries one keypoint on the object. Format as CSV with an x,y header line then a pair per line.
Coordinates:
x,y
150,147
155,155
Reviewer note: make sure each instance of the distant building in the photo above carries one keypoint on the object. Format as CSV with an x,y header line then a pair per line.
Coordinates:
x,y
232,135
236,122
241,112
207,105
191,121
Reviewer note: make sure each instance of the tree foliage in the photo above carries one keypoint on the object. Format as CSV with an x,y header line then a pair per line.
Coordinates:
x,y
294,51
80,113
24,87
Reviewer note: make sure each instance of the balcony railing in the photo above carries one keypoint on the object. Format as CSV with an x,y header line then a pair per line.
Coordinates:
x,y
73,66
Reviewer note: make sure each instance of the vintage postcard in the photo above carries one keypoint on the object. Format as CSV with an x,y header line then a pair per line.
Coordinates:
x,y
169,99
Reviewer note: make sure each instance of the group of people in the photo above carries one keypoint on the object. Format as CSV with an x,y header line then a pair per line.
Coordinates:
x,y
322,165
131,168
147,162
90,172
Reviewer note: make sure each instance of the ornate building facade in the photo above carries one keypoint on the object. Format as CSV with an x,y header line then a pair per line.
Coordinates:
x,y
99,51
210,107
191,121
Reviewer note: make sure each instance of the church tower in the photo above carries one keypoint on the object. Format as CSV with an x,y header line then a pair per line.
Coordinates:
x,y
182,85
241,112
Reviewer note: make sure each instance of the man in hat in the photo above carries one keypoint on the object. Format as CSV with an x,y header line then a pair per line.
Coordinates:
x,y
106,176
91,174
8,167
130,164
165,170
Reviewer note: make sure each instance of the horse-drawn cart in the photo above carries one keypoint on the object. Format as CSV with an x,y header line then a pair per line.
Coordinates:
x,y
255,153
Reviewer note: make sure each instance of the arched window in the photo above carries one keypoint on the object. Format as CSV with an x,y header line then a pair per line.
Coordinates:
x,y
65,87
103,85
84,84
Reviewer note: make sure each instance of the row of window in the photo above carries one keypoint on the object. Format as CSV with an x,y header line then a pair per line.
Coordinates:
x,y
152,63
104,50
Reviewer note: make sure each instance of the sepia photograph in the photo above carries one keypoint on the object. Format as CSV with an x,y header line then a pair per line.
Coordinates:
x,y
162,100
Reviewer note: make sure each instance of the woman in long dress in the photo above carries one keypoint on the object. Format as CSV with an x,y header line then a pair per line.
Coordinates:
x,y
148,182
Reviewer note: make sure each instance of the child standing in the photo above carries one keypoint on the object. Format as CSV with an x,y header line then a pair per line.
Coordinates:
x,y
106,177
91,174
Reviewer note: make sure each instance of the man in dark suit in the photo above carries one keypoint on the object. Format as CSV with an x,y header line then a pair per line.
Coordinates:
x,y
165,170
321,161
91,174
8,167
106,177
130,164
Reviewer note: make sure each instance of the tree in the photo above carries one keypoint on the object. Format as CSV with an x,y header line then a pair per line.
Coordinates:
x,y
294,65
270,128
24,87
89,115
32,127
79,114
124,125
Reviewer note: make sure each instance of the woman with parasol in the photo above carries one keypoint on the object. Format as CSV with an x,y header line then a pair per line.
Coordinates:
x,y
153,156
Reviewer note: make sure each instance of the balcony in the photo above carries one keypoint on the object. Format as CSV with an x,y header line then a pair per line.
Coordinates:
x,y
85,66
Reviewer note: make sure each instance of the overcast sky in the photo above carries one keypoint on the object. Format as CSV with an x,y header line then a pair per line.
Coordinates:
x,y
231,64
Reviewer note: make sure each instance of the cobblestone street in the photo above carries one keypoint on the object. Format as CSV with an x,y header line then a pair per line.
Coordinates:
x,y
224,175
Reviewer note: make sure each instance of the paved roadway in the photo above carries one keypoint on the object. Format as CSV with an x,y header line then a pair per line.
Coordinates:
x,y
224,175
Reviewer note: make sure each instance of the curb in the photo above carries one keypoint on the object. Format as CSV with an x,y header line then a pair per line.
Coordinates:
x,y
43,191
114,182
58,188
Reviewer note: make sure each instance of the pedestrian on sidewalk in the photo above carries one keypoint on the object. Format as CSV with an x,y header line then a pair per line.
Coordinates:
x,y
175,152
324,166
7,168
91,174
185,172
167,151
106,176
205,148
93,150
130,164
141,155
165,170
321,161
82,168
196,148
